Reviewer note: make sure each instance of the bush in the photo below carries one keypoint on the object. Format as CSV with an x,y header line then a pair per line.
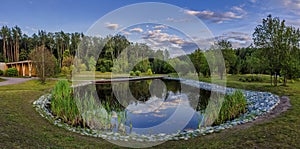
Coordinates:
x,y
83,67
242,79
1,72
63,105
11,72
131,73
137,73
233,105
250,79
292,81
67,71
149,72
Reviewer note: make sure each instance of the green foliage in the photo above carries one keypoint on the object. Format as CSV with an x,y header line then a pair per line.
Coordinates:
x,y
131,73
63,105
280,44
149,72
11,72
233,105
44,62
250,79
67,71
200,63
1,72
83,67
92,63
137,73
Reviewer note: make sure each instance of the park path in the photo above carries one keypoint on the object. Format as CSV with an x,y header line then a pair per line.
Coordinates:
x,y
8,80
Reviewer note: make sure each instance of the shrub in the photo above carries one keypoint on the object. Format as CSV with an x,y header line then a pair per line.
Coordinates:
x,y
137,73
233,105
12,72
131,73
149,72
242,79
83,67
250,79
63,105
292,81
1,72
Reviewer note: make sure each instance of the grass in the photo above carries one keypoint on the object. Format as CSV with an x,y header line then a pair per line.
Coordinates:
x,y
22,127
63,104
234,104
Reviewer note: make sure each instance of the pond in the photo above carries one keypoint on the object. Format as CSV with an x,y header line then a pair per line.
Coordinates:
x,y
151,110
145,107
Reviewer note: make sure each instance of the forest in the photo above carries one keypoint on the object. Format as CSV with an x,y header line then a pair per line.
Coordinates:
x,y
275,51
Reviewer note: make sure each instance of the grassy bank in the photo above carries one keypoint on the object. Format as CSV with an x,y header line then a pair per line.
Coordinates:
x,y
22,127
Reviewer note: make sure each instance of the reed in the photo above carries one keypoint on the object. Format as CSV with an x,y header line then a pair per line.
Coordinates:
x,y
63,105
233,106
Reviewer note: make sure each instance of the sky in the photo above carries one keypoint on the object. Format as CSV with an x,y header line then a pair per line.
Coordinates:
x,y
233,20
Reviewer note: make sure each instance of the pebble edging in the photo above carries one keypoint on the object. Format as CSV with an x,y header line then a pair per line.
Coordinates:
x,y
258,104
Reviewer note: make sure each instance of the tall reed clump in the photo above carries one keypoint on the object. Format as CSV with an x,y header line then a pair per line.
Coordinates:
x,y
63,104
234,104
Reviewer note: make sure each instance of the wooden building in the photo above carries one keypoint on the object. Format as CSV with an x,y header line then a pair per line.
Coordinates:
x,y
24,68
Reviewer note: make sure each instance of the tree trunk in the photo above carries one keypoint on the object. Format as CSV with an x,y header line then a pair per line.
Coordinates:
x,y
4,49
275,80
284,80
221,76
271,77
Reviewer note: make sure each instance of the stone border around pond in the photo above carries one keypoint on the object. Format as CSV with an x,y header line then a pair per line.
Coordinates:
x,y
258,104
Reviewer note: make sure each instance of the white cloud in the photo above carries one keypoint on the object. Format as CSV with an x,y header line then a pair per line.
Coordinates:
x,y
125,32
292,6
112,26
179,19
33,29
3,22
160,27
237,39
295,22
138,30
218,17
175,44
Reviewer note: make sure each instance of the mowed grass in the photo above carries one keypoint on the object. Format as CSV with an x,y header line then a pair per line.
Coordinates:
x,y
22,127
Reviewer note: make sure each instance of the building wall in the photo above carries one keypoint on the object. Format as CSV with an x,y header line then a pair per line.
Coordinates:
x,y
2,66
23,68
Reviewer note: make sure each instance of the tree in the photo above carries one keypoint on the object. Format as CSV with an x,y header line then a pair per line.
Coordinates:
x,y
16,41
278,43
4,34
200,63
92,63
44,62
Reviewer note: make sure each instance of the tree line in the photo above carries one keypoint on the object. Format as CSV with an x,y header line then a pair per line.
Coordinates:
x,y
275,51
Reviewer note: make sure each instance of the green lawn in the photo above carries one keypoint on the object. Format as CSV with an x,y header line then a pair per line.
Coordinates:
x,y
22,127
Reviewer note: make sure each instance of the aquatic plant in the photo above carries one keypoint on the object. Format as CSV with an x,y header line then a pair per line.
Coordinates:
x,y
63,105
234,104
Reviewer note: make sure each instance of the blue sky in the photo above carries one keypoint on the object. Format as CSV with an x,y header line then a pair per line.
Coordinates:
x,y
233,20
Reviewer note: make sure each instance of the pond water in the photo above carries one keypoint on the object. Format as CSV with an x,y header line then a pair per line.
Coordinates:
x,y
145,107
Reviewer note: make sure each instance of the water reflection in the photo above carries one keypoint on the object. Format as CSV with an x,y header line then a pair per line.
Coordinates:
x,y
141,106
